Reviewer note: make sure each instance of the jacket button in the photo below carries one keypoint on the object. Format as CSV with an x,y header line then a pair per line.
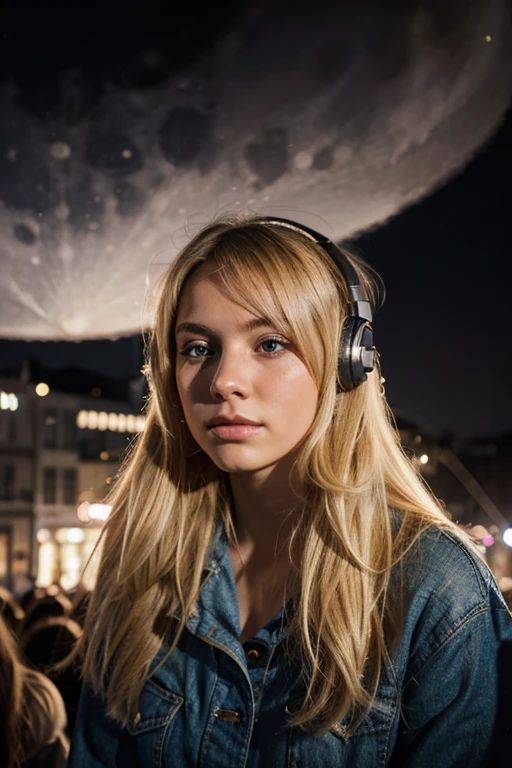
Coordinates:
x,y
255,651
136,719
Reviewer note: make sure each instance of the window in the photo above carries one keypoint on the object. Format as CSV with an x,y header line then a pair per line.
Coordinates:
x,y
50,428
69,486
7,488
92,445
49,485
4,425
12,428
70,428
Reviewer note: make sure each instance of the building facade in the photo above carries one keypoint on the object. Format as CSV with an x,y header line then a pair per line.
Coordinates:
x,y
59,453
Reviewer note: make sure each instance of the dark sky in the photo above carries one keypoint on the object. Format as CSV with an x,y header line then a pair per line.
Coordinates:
x,y
443,332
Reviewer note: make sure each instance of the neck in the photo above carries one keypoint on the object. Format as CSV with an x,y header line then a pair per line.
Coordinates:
x,y
265,510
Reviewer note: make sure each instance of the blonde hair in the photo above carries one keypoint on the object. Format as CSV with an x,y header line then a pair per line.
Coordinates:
x,y
169,496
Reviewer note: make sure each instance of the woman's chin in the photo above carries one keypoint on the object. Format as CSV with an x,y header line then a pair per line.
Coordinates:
x,y
235,461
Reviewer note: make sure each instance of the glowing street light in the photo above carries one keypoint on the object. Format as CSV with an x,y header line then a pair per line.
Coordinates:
x,y
42,389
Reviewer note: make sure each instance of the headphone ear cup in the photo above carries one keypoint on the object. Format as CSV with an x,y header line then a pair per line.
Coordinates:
x,y
345,379
356,337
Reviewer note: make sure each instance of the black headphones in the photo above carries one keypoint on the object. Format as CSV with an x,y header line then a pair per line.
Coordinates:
x,y
356,357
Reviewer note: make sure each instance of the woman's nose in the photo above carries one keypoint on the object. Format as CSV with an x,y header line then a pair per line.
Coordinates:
x,y
231,377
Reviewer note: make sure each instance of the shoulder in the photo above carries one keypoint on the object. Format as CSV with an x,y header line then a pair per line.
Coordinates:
x,y
448,589
440,558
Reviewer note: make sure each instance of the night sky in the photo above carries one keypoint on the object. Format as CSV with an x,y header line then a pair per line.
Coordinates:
x,y
443,331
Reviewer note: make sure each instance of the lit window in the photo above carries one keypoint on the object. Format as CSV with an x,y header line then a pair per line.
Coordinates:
x,y
8,401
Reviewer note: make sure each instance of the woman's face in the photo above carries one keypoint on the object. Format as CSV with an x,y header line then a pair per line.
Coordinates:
x,y
233,367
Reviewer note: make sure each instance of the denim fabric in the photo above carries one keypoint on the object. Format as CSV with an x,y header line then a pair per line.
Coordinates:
x,y
213,704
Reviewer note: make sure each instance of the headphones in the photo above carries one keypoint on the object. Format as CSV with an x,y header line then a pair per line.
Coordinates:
x,y
356,357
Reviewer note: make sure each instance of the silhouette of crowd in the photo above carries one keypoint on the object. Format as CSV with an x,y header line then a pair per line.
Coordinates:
x,y
38,700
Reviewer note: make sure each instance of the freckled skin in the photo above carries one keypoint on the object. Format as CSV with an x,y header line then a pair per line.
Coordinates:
x,y
229,371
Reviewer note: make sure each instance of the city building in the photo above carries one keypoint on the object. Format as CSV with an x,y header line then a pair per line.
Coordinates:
x,y
59,453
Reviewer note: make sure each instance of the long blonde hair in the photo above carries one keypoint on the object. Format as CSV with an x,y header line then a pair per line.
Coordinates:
x,y
169,496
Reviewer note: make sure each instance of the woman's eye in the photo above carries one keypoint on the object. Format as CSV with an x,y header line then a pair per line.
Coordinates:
x,y
197,350
269,345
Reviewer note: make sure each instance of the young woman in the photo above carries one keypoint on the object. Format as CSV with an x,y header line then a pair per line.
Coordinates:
x,y
277,587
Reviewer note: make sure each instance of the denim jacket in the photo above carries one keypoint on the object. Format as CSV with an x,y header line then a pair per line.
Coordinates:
x,y
217,703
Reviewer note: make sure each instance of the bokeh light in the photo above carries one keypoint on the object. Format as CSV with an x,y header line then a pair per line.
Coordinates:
x,y
43,535
42,389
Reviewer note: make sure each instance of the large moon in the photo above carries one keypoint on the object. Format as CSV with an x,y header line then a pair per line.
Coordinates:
x,y
336,114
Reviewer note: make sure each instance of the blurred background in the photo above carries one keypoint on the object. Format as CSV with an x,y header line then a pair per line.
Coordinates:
x,y
124,130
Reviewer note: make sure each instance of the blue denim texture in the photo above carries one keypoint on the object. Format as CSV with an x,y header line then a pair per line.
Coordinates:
x,y
440,709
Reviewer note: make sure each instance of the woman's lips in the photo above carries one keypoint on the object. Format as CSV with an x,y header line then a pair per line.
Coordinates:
x,y
235,431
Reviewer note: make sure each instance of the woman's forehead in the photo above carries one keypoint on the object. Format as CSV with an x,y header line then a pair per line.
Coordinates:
x,y
202,300
247,286
212,280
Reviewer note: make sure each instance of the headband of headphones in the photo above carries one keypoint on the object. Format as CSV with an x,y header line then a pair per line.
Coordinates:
x,y
359,306
357,353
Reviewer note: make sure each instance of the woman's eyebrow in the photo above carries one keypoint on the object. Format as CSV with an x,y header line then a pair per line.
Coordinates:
x,y
256,322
